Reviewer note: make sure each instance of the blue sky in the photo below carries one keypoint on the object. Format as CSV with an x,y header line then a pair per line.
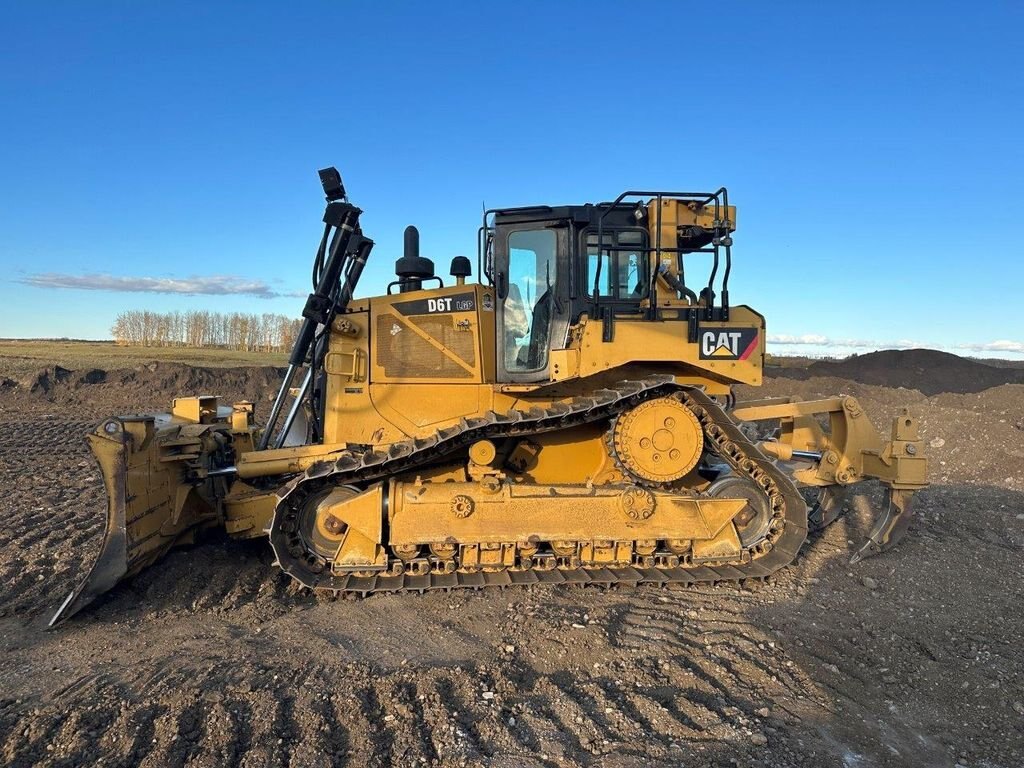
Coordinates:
x,y
874,149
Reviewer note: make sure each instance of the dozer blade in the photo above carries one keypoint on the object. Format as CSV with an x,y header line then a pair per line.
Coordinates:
x,y
151,503
890,526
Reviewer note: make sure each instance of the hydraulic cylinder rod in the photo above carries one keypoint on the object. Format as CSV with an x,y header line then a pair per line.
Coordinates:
x,y
293,412
275,410
320,305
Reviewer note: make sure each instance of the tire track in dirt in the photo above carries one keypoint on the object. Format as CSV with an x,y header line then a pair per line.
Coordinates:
x,y
282,708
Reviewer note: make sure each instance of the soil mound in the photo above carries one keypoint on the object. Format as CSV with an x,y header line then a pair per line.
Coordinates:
x,y
152,384
177,379
927,370
48,378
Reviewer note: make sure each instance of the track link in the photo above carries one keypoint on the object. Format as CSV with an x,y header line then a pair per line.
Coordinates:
x,y
787,532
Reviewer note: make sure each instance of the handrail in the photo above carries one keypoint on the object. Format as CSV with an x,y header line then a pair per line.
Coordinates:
x,y
720,199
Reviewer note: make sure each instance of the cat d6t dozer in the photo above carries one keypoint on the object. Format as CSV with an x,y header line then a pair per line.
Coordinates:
x,y
568,417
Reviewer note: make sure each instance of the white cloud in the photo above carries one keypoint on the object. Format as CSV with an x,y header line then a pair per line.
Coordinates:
x,y
213,285
816,340
816,343
807,338
1001,345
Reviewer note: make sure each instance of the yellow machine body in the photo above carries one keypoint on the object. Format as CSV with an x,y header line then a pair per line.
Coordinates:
x,y
568,418
392,376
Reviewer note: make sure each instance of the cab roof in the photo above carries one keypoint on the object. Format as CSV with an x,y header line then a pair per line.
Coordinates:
x,y
588,213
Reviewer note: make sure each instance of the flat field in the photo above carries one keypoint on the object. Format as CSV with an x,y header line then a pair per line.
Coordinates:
x,y
213,658
19,357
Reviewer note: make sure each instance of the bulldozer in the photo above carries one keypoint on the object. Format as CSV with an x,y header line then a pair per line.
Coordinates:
x,y
565,417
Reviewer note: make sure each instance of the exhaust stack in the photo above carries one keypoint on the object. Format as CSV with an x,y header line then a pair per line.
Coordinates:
x,y
412,269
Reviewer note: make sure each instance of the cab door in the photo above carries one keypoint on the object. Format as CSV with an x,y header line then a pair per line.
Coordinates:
x,y
530,272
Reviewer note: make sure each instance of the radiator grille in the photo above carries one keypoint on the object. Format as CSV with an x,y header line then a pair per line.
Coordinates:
x,y
403,353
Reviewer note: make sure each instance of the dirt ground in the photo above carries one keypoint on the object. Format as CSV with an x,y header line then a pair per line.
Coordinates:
x,y
912,658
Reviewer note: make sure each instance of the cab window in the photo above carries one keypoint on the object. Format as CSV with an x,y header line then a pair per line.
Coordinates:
x,y
623,275
532,270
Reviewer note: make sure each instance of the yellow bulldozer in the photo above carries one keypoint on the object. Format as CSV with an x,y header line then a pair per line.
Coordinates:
x,y
566,418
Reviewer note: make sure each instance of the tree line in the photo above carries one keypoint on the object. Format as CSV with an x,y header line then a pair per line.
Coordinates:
x,y
196,328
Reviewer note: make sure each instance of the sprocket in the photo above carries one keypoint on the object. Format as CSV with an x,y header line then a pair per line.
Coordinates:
x,y
657,442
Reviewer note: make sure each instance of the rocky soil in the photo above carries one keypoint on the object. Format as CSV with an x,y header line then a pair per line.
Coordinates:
x,y
912,658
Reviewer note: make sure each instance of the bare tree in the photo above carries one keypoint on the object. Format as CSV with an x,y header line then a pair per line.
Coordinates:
x,y
199,328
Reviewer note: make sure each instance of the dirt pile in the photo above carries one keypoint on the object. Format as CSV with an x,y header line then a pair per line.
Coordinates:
x,y
927,370
148,386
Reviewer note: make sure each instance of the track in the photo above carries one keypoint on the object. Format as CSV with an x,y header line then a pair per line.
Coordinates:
x,y
789,512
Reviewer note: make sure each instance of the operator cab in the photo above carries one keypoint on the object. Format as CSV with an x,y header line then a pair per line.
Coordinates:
x,y
537,265
551,265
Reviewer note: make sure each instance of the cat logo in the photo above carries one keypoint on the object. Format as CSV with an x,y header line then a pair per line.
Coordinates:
x,y
727,343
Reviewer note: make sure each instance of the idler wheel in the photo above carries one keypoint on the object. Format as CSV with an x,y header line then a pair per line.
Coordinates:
x,y
319,532
753,522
